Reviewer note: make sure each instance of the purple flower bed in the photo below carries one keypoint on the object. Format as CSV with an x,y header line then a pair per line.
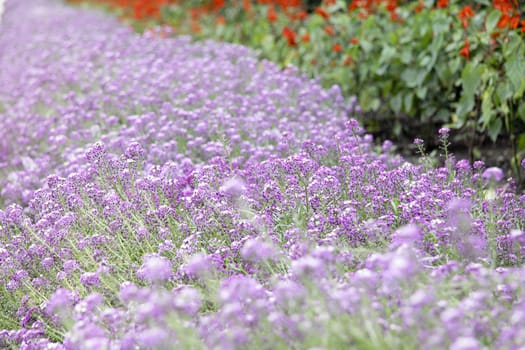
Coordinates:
x,y
159,193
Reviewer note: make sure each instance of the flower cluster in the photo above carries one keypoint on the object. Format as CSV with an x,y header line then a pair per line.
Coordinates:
x,y
159,193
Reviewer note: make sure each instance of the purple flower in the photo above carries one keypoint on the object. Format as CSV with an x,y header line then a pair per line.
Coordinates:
x,y
198,265
60,300
493,173
402,264
459,205
155,268
90,279
89,304
256,250
70,266
234,187
387,146
465,343
96,152
407,234
478,164
308,266
153,338
444,131
353,126
135,151
187,300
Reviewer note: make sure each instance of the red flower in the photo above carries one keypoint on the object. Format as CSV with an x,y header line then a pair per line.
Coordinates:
x,y
503,21
301,15
306,38
362,15
354,41
395,17
391,5
465,51
514,22
353,6
322,13
348,61
271,15
337,48
523,26
246,5
221,20
218,4
329,30
504,6
465,13
442,3
290,36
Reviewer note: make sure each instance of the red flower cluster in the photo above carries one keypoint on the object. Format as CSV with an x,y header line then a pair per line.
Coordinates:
x,y
442,3
465,51
290,36
510,14
465,13
368,7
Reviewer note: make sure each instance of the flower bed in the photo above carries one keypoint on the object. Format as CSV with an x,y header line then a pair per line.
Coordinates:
x,y
414,65
159,193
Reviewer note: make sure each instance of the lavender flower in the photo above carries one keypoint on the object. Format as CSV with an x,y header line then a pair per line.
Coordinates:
x,y
493,173
155,269
256,250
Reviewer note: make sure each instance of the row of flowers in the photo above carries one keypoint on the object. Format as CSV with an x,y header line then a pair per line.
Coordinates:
x,y
414,65
160,194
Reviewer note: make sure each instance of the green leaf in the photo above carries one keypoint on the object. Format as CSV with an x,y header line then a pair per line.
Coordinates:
x,y
387,54
470,79
519,94
289,58
409,98
406,57
494,129
465,105
413,77
366,46
443,115
409,76
503,92
375,104
511,48
521,112
521,141
427,113
268,43
492,20
421,93
395,102
515,71
437,43
487,107
425,61
454,64
444,74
